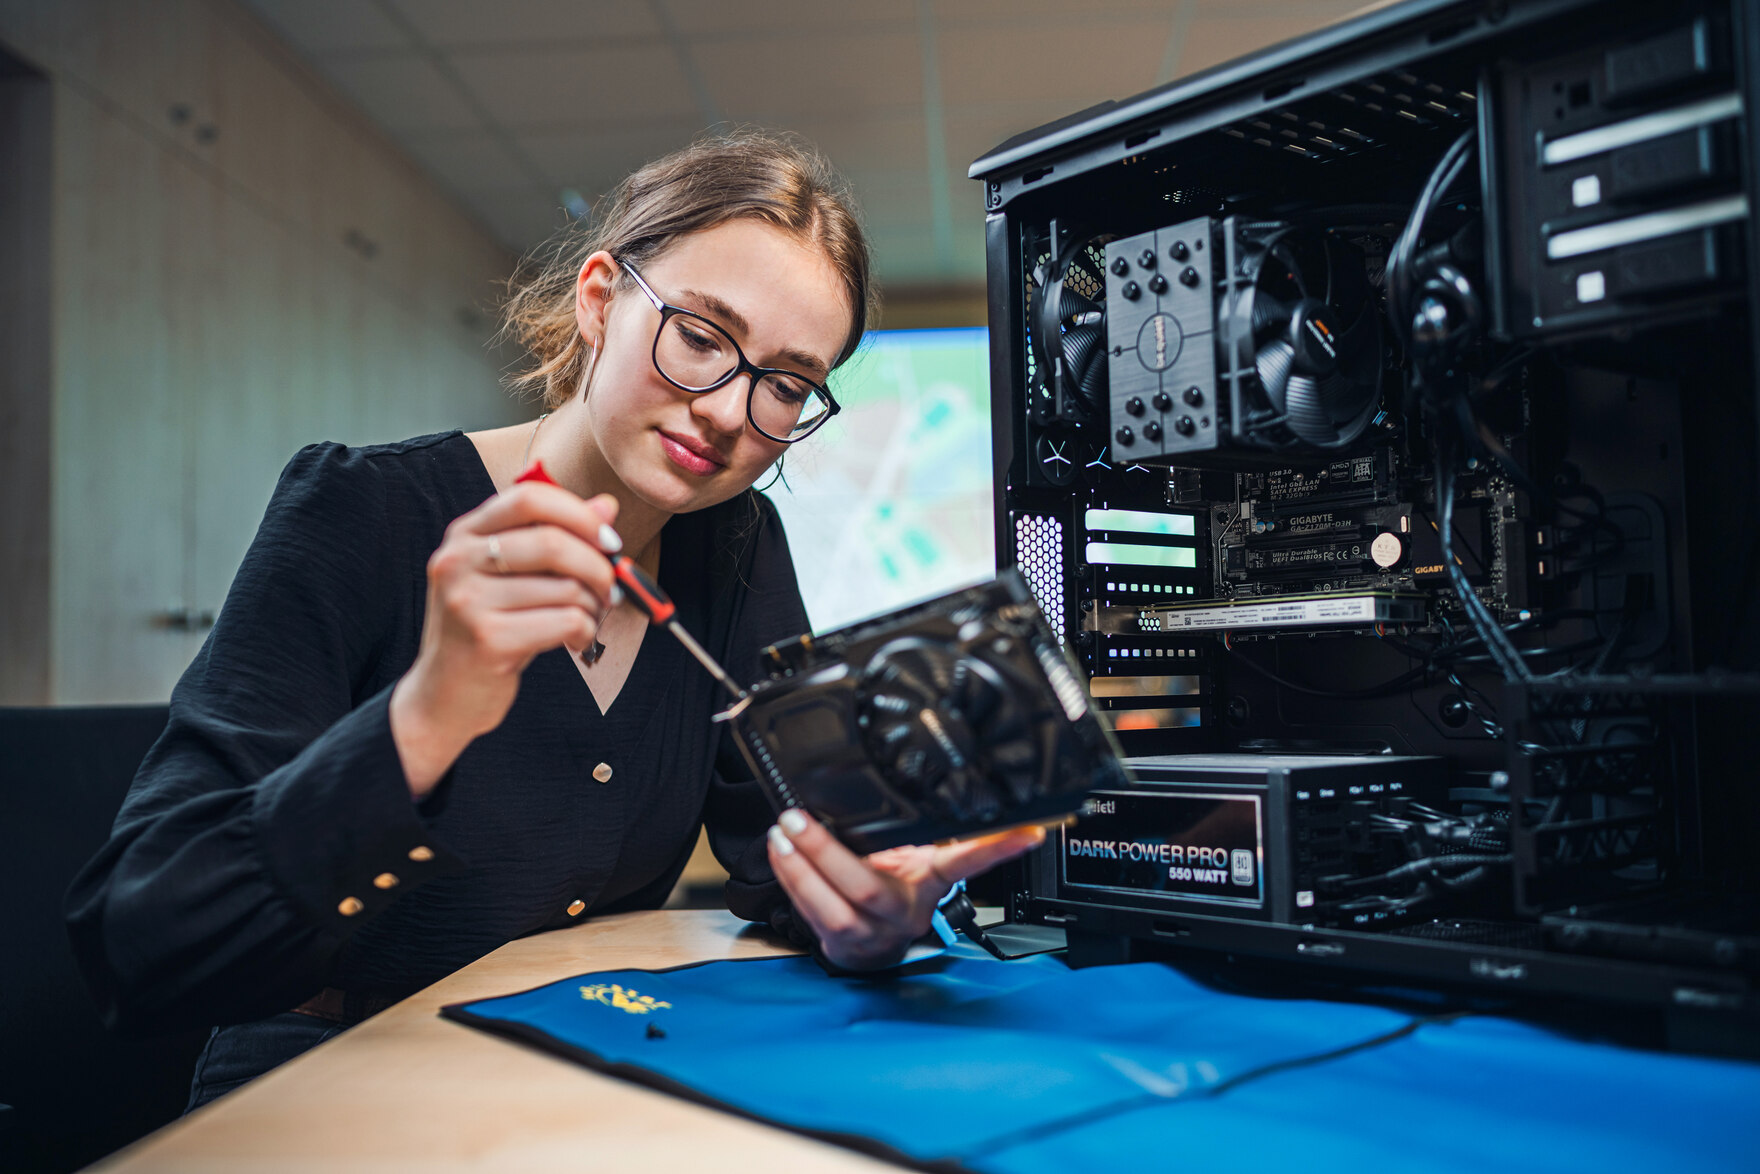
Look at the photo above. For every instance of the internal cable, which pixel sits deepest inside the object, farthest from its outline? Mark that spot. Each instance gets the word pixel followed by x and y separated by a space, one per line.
pixel 1497 642
pixel 1399 261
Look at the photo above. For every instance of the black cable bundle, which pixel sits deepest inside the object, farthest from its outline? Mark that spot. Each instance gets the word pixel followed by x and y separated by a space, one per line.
pixel 1434 329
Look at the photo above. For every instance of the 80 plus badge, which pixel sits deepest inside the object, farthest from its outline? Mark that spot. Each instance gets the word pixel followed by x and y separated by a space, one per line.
pixel 1240 866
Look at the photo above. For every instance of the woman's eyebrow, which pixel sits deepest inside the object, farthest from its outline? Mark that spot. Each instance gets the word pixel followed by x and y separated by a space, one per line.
pixel 715 308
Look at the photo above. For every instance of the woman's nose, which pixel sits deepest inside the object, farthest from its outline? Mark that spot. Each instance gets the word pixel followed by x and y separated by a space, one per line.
pixel 724 409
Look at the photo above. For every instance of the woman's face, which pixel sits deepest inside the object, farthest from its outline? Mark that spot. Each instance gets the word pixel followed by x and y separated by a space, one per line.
pixel 781 301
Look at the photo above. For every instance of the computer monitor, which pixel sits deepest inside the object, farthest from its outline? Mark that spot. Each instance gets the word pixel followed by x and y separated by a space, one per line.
pixel 890 502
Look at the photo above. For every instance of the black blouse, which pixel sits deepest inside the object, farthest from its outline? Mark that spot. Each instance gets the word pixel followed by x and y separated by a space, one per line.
pixel 269 846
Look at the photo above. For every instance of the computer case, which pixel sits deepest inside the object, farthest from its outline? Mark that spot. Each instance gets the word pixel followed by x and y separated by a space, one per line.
pixel 1389 395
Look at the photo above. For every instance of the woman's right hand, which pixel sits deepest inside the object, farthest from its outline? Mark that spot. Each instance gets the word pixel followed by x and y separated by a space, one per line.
pixel 525 572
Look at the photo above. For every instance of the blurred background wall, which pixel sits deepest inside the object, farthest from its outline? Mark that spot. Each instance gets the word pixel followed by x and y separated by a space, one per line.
pixel 232 227
pixel 238 263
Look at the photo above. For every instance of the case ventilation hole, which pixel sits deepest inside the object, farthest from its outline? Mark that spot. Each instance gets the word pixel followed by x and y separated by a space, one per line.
pixel 1038 546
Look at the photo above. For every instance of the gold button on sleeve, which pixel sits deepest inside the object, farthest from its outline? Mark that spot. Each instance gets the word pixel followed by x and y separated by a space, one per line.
pixel 385 880
pixel 575 907
pixel 421 854
pixel 602 772
pixel 349 906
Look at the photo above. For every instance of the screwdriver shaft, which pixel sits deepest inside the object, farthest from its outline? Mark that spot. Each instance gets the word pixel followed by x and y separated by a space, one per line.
pixel 704 659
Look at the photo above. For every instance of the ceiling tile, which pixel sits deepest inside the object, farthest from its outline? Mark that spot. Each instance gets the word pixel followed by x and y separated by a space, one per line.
pixel 807 75
pixel 593 161
pixel 1213 39
pixel 402 93
pixel 532 22
pixel 1076 63
pixel 889 141
pixel 1298 14
pixel 467 160
pixel 317 27
pixel 972 131
pixel 992 14
pixel 519 220
pixel 589 89
pixel 563 88
pixel 766 18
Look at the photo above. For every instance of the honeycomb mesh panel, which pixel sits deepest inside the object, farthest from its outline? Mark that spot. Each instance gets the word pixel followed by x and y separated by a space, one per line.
pixel 1038 554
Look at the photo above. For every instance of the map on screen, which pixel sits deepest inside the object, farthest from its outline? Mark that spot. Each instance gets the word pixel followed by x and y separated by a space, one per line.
pixel 890 502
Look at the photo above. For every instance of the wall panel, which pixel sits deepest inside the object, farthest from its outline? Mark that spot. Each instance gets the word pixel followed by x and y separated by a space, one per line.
pixel 241 265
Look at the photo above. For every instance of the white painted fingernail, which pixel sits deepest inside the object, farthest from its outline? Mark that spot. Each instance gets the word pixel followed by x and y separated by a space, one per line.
pixel 793 822
pixel 783 845
pixel 616 595
pixel 609 542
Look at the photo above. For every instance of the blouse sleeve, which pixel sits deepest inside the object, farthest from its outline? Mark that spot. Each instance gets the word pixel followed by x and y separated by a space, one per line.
pixel 738 812
pixel 272 818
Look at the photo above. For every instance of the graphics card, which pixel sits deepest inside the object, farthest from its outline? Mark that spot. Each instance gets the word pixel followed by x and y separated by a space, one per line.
pixel 958 716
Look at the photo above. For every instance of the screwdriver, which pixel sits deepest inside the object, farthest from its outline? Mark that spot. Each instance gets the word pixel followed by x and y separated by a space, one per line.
pixel 640 589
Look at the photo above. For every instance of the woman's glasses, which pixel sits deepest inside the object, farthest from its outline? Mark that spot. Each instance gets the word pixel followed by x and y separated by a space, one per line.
pixel 694 354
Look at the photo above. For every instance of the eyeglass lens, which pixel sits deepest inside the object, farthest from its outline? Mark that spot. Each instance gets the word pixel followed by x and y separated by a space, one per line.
pixel 697 354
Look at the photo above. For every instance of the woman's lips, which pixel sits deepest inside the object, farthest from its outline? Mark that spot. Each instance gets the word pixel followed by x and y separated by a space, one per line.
pixel 690 455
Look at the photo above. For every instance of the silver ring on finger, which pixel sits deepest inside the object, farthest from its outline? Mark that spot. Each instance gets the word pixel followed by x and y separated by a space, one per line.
pixel 501 567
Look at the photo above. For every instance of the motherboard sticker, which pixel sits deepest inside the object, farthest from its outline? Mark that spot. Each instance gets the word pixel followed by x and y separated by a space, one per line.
pixel 1190 845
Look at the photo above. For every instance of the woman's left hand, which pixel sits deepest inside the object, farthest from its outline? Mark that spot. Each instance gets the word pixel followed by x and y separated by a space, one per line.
pixel 867 910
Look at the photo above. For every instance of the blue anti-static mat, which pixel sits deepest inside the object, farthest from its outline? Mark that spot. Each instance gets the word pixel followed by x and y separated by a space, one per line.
pixel 964 1062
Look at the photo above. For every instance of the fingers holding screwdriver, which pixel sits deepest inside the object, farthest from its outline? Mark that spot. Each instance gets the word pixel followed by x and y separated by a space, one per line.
pixel 640 589
pixel 527 571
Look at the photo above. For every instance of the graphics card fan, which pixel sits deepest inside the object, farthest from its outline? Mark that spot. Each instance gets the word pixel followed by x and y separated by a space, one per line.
pixel 949 728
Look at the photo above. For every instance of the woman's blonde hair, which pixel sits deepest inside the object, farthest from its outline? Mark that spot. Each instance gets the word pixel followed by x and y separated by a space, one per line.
pixel 774 179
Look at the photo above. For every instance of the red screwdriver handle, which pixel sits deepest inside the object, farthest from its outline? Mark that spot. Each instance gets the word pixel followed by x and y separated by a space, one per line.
pixel 535 473
pixel 643 591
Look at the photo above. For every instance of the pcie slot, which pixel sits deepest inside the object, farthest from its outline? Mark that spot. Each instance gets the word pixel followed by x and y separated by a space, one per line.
pixel 1645 127
pixel 1649 226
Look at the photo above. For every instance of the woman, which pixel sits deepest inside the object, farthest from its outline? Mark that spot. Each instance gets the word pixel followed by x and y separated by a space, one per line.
pixel 426 723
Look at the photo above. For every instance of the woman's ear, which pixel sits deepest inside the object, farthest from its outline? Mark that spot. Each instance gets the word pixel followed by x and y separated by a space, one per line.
pixel 592 294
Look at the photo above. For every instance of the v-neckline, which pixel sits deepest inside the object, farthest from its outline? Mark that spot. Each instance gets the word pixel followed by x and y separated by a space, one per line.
pixel 603 712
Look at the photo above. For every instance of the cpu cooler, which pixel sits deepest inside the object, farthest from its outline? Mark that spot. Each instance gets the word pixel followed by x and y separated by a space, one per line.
pixel 1237 342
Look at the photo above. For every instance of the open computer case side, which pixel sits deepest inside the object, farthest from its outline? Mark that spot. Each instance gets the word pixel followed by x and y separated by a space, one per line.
pixel 1390 395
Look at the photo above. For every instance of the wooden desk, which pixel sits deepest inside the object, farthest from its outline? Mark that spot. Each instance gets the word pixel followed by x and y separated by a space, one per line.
pixel 409 1090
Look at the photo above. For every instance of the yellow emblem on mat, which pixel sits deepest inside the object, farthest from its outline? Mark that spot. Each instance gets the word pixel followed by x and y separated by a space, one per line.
pixel 613 995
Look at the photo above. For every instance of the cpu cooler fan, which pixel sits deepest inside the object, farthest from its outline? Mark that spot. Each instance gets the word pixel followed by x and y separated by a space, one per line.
pixel 1300 330
pixel 1069 332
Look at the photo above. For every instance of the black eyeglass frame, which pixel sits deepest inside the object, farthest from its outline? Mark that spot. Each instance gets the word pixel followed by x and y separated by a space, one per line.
pixel 668 311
